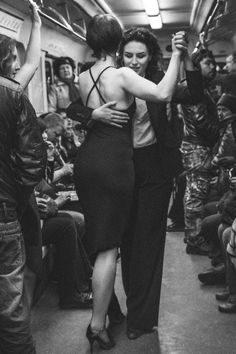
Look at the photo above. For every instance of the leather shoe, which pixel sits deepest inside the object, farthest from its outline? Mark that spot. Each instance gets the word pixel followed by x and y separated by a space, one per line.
pixel 134 333
pixel 198 246
pixel 228 307
pixel 213 276
pixel 175 227
pixel 223 295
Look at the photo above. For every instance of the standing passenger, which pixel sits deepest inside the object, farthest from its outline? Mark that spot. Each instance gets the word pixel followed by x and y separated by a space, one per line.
pixel 66 89
pixel 22 163
pixel 156 161
pixel 201 132
pixel 104 171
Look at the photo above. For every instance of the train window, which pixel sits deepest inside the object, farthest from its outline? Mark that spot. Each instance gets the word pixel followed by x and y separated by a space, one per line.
pixel 49 72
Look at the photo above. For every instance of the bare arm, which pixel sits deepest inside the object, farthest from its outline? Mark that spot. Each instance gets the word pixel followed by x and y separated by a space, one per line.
pixel 147 90
pixel 87 116
pixel 24 75
pixel 106 114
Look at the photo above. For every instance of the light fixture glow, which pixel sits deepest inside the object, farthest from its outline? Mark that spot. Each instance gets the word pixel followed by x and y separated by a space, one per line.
pixel 151 7
pixel 155 21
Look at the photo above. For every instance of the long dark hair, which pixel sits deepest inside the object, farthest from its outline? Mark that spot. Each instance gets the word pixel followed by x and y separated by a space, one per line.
pixel 143 35
pixel 7 46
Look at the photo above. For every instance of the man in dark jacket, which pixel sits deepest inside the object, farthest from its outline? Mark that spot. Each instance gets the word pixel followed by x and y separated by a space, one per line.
pixel 22 163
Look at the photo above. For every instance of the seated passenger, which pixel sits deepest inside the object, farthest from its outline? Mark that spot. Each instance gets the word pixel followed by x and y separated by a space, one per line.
pixel 62 169
pixel 226 158
pixel 229 294
pixel 61 230
pixel 69 140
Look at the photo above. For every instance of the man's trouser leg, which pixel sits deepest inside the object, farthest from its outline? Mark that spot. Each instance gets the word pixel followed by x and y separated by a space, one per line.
pixel 15 333
pixel 197 186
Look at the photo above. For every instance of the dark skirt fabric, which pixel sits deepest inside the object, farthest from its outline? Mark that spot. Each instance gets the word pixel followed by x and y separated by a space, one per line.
pixel 104 181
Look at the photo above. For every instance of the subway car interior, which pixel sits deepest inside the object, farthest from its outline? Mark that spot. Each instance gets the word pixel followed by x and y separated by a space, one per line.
pixel 191 319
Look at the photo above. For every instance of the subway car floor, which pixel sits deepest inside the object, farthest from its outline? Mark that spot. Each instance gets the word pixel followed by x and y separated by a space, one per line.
pixel 189 322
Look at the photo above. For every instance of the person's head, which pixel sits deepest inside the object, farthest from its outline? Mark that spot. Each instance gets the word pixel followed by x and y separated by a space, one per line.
pixel 8 56
pixel 140 51
pixel 104 34
pixel 55 125
pixel 226 105
pixel 64 67
pixel 204 60
pixel 230 62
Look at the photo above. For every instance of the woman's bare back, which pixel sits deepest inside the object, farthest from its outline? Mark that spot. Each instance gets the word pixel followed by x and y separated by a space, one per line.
pixel 109 86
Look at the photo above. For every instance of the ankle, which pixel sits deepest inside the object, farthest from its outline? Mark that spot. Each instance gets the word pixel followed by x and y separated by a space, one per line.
pixel 97 326
pixel 97 329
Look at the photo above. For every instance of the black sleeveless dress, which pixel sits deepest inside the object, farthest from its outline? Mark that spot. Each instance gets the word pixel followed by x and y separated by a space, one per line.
pixel 104 181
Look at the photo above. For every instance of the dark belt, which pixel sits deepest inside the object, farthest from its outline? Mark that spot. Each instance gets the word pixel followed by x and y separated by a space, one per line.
pixel 7 214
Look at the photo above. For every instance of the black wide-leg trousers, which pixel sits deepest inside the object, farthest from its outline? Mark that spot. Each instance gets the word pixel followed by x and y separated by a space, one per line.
pixel 142 251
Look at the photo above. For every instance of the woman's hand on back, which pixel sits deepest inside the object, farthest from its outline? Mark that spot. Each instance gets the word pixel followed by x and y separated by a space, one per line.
pixel 110 116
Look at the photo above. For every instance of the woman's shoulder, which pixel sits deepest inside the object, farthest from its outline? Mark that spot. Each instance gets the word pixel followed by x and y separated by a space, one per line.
pixel 125 71
pixel 127 75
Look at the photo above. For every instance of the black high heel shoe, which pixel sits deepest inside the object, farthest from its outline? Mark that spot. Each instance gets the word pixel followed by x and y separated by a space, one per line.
pixel 96 336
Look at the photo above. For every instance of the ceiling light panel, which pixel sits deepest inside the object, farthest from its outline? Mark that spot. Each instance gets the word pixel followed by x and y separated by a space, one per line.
pixel 151 7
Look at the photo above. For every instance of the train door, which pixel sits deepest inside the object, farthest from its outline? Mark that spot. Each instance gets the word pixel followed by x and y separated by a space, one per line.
pixel 37 88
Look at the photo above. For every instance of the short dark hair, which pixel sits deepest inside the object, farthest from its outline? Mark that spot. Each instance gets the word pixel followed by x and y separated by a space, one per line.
pixel 7 46
pixel 201 54
pixel 143 35
pixel 41 124
pixel 62 61
pixel 104 34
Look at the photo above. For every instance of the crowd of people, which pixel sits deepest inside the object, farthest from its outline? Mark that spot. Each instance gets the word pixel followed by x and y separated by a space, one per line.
pixel 102 184
pixel 209 156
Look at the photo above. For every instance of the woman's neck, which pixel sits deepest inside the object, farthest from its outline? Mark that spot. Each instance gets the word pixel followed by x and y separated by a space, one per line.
pixel 108 60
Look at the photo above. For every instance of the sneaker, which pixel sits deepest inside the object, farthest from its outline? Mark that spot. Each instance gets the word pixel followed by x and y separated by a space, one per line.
pixel 213 276
pixel 198 246
pixel 223 295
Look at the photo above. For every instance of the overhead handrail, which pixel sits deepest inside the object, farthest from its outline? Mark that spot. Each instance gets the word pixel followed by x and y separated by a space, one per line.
pixel 211 18
pixel 206 26
pixel 62 24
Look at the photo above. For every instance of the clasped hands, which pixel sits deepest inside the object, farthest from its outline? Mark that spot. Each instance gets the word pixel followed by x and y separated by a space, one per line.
pixel 179 42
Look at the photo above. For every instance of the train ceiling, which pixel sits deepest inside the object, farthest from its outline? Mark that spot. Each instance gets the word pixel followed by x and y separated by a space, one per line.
pixel 192 15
